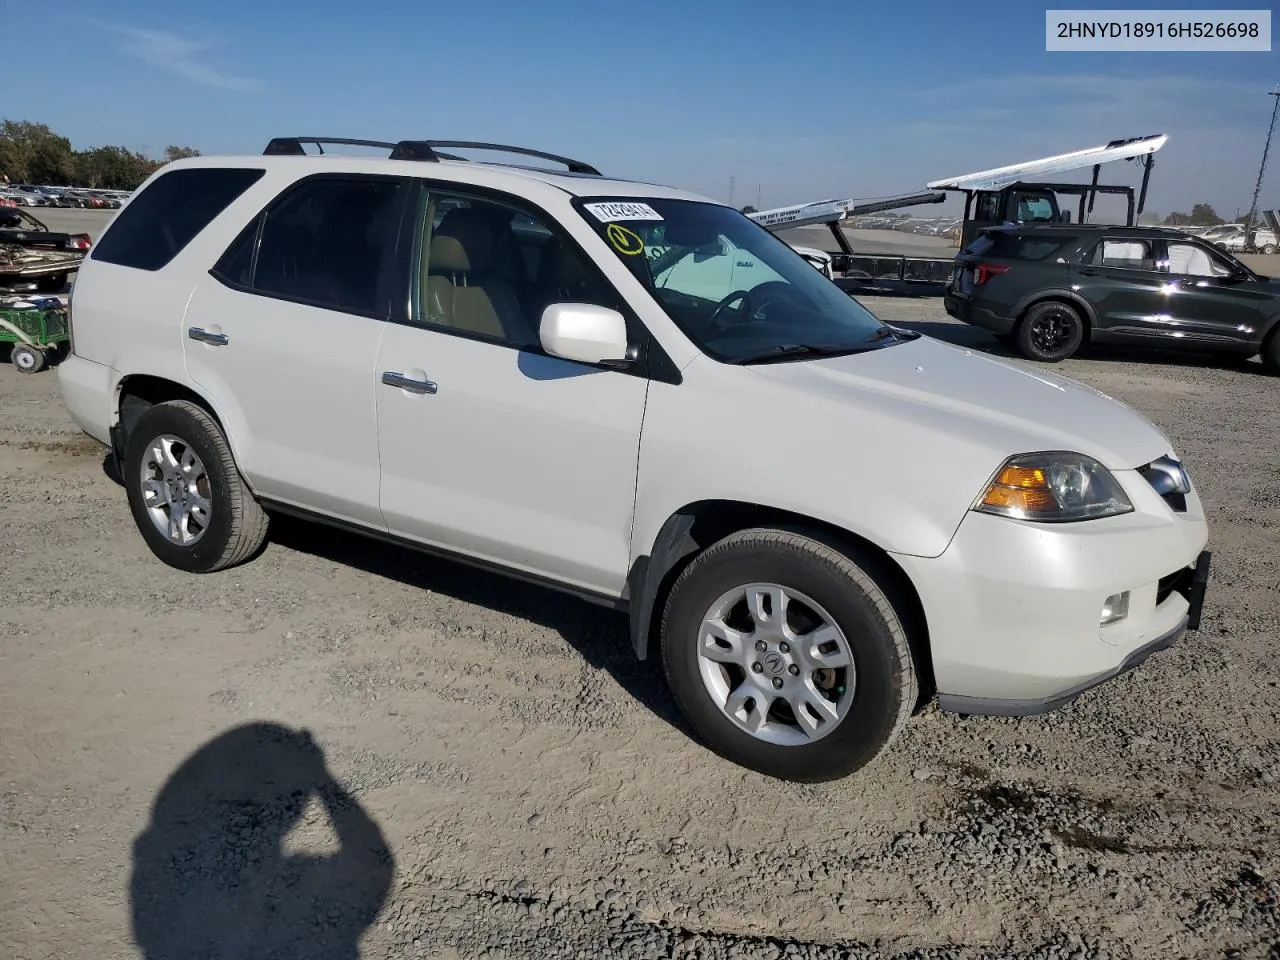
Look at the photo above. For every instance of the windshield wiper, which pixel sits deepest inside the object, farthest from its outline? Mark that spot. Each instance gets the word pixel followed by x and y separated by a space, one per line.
pixel 887 331
pixel 786 351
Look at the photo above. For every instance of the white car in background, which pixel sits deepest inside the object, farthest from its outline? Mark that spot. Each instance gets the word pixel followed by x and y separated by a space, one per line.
pixel 816 520
pixel 1264 241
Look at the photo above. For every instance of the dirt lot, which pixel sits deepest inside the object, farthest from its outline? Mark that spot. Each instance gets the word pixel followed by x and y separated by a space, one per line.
pixel 492 773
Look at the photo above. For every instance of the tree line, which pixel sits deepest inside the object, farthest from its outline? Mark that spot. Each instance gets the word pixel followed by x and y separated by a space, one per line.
pixel 33 153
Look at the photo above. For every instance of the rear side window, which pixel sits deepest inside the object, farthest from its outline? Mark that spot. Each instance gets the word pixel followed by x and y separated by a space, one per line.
pixel 1125 252
pixel 326 242
pixel 161 220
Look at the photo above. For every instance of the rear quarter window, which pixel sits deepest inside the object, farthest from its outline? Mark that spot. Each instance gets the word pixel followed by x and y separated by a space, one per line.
pixel 161 220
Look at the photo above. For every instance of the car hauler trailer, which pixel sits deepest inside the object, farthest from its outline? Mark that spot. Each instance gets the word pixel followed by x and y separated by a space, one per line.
pixel 880 274
pixel 992 197
pixel 1005 195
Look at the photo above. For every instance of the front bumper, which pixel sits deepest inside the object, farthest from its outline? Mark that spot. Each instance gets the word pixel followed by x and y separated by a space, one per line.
pixel 1014 607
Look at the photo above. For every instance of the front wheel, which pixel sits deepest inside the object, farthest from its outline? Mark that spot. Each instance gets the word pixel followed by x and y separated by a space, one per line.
pixel 1050 332
pixel 786 656
pixel 1271 353
pixel 188 499
pixel 1268 248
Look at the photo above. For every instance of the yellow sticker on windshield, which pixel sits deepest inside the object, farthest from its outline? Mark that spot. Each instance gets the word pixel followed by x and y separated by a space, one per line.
pixel 624 241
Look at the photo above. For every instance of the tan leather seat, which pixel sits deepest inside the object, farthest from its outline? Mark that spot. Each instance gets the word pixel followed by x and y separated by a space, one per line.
pixel 461 291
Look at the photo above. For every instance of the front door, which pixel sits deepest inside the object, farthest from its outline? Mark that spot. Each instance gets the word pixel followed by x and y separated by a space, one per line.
pixel 490 447
pixel 283 338
pixel 1210 303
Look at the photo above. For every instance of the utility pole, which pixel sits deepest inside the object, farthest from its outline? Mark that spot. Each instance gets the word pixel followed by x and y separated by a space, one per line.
pixel 732 180
pixel 1252 229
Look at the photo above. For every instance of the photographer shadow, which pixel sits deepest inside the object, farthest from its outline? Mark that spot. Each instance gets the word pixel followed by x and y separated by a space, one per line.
pixel 211 875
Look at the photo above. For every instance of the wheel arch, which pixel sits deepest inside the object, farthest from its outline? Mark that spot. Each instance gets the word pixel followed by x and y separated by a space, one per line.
pixel 696 526
pixel 138 392
pixel 1270 330
pixel 1068 297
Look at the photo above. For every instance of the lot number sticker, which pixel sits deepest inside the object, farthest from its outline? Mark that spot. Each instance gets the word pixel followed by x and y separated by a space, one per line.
pixel 605 212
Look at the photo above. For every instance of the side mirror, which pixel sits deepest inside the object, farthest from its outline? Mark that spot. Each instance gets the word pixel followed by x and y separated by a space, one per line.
pixel 584 332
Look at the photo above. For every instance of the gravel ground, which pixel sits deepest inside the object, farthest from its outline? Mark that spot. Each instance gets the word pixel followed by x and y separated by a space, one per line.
pixel 492 775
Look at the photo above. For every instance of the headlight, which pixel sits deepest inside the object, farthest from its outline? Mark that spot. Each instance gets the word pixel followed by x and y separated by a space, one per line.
pixel 1054 488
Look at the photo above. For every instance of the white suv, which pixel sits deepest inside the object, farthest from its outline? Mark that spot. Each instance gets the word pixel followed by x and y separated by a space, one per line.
pixel 642 397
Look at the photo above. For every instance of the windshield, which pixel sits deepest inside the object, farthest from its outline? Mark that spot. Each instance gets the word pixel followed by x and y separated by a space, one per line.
pixel 736 290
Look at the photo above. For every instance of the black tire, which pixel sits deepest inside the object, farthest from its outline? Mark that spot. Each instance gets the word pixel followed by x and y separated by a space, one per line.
pixel 886 687
pixel 1268 249
pixel 237 525
pixel 26 358
pixel 1271 353
pixel 53 284
pixel 1050 332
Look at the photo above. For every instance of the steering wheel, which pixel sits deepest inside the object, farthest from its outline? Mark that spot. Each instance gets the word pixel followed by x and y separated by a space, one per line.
pixel 723 305
pixel 753 301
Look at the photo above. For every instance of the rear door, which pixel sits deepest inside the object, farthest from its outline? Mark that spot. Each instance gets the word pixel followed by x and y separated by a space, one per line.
pixel 1123 280
pixel 283 337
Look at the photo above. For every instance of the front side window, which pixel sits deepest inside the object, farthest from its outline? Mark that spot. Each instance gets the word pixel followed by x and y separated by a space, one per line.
pixel 1193 260
pixel 736 290
pixel 488 269
pixel 327 242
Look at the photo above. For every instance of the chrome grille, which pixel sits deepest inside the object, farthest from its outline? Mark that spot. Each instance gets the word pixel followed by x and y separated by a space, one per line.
pixel 1168 477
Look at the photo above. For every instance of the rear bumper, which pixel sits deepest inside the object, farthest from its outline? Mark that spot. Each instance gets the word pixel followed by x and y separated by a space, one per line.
pixel 87 390
pixel 966 311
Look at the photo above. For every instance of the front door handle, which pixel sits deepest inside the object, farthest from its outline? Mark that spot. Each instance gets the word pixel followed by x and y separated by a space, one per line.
pixel 204 336
pixel 408 383
pixel 1087 272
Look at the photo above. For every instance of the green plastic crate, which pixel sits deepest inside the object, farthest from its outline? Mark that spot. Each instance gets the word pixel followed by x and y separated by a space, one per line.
pixel 46 327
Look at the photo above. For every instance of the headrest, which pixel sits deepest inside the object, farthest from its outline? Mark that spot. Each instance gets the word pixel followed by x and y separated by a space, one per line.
pixel 448 256
pixel 473 231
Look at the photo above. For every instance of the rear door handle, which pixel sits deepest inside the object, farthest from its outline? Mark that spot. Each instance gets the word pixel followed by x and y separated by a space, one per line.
pixel 204 336
pixel 1087 272
pixel 408 383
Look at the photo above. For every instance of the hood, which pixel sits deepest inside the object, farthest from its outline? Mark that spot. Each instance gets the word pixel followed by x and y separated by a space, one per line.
pixel 974 398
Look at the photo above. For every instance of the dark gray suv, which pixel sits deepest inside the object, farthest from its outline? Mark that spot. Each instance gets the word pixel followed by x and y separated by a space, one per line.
pixel 1049 288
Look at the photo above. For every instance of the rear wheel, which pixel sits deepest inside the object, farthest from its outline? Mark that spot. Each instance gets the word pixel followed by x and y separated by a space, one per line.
pixel 1050 332
pixel 1268 248
pixel 786 656
pixel 26 358
pixel 188 499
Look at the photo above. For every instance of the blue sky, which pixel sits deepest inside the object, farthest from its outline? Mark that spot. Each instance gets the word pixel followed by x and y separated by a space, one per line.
pixel 800 102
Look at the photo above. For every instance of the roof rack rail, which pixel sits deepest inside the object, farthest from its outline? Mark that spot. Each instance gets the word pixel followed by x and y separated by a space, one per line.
pixel 419 150
pixel 292 146
pixel 575 166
